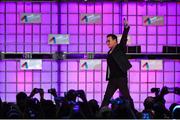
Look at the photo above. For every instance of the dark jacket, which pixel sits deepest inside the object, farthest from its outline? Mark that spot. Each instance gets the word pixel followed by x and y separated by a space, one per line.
pixel 119 54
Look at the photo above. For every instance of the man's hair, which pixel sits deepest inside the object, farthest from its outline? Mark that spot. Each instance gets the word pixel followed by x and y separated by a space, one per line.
pixel 114 37
pixel 21 96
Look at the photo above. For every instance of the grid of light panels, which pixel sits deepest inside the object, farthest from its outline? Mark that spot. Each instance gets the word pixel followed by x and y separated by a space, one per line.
pixel 63 18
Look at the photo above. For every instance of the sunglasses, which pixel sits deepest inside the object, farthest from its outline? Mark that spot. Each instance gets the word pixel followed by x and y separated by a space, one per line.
pixel 107 41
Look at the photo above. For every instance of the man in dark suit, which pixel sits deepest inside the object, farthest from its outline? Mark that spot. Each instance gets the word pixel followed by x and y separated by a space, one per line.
pixel 117 67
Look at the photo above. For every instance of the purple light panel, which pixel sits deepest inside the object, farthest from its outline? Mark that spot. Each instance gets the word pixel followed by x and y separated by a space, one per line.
pixel 17 37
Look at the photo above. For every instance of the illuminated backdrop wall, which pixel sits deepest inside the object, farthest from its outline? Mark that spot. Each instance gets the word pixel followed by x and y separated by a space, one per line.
pixel 63 18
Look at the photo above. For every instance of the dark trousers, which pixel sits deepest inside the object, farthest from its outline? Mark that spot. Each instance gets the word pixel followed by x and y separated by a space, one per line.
pixel 113 85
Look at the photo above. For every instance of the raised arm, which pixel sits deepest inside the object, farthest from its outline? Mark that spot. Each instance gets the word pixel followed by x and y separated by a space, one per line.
pixel 123 41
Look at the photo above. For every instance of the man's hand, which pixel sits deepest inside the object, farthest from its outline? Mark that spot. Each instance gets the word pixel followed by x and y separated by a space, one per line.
pixel 41 92
pixel 53 92
pixel 82 95
pixel 126 25
pixel 164 90
pixel 33 92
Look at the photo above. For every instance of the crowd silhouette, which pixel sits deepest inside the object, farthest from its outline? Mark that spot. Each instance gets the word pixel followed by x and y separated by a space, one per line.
pixel 74 104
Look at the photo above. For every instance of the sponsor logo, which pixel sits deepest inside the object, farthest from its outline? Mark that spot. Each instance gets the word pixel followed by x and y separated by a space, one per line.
pixel 90 18
pixel 153 20
pixel 58 39
pixel 146 65
pixel 25 65
pixel 31 18
pixel 84 65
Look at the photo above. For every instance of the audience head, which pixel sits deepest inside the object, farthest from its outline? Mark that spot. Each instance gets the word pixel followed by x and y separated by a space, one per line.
pixel 149 102
pixel 21 98
pixel 176 112
pixel 93 104
pixel 71 95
